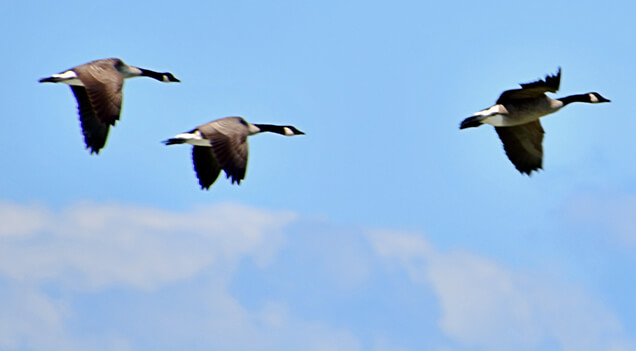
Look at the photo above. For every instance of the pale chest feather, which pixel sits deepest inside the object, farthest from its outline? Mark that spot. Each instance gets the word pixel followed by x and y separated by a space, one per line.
pixel 522 112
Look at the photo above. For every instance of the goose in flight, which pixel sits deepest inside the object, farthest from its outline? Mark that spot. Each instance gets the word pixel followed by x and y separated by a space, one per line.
pixel 97 88
pixel 222 144
pixel 516 114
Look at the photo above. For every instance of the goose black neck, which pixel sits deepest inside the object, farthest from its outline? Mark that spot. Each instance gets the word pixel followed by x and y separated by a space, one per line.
pixel 152 74
pixel 575 98
pixel 271 128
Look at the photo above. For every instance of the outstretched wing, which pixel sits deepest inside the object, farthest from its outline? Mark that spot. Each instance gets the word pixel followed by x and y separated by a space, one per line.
pixel 95 132
pixel 103 83
pixel 523 145
pixel 229 142
pixel 533 90
pixel 206 166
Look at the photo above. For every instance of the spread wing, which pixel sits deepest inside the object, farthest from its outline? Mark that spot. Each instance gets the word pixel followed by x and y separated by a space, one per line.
pixel 523 145
pixel 103 84
pixel 533 90
pixel 229 142
pixel 206 166
pixel 95 132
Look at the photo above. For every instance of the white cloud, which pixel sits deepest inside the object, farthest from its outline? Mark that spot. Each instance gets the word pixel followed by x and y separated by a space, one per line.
pixel 488 306
pixel 277 324
pixel 28 317
pixel 21 220
pixel 184 263
pixel 91 246
pixel 32 320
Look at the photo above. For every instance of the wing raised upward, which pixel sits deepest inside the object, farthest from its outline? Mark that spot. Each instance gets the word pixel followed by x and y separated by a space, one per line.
pixel 532 90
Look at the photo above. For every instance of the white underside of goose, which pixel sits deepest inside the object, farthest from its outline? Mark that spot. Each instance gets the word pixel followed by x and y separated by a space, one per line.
pixel 195 138
pixel 502 116
pixel 68 77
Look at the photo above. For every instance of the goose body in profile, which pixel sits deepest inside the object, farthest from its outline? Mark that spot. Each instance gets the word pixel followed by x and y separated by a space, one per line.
pixel 97 86
pixel 222 144
pixel 516 114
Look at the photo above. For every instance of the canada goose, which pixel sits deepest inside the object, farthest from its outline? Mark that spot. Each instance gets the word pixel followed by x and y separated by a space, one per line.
pixel 222 144
pixel 516 114
pixel 97 88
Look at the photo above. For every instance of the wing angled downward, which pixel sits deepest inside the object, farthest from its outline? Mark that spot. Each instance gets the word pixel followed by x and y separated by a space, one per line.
pixel 523 145
pixel 229 142
pixel 103 83
pixel 206 166
pixel 95 132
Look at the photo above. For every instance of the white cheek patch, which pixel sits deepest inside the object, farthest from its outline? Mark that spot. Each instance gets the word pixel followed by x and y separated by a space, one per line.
pixel 593 98
pixel 288 131
pixel 166 79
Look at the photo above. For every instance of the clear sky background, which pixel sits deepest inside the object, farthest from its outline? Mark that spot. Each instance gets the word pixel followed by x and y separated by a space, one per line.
pixel 385 227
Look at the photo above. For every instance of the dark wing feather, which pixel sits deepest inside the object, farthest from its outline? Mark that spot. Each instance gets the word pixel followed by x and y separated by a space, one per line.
pixel 520 94
pixel 103 84
pixel 523 145
pixel 532 90
pixel 95 132
pixel 229 142
pixel 551 83
pixel 206 166
pixel 232 155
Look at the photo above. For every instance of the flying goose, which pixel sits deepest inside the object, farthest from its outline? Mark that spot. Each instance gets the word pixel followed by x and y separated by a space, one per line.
pixel 97 88
pixel 222 144
pixel 516 114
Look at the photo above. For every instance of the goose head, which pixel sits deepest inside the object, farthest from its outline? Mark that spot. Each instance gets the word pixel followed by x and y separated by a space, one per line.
pixel 291 130
pixel 168 78
pixel 596 98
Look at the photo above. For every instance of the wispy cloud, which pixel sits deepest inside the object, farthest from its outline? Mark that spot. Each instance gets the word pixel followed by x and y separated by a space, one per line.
pixel 488 306
pixel 31 319
pixel 91 246
pixel 88 249
pixel 21 220
pixel 121 277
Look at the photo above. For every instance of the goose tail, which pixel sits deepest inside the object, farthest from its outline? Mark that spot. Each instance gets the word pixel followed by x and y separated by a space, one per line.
pixel 471 122
pixel 50 80
pixel 173 141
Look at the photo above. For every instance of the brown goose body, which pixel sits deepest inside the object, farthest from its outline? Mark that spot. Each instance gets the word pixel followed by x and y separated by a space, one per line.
pixel 97 86
pixel 222 145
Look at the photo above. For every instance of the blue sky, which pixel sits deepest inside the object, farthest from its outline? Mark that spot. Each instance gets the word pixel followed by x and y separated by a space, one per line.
pixel 385 227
